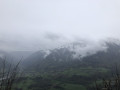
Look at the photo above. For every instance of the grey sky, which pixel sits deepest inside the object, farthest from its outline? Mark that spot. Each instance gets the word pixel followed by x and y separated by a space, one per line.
pixel 40 24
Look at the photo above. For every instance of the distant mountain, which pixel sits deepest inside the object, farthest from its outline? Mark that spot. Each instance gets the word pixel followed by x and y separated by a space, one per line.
pixel 75 55
pixel 18 55
pixel 15 56
pixel 5 58
pixel 3 54
pixel 76 50
pixel 105 59
pixel 63 53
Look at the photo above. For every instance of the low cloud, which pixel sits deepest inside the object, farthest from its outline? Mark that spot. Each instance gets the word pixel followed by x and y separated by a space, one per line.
pixel 38 24
pixel 52 36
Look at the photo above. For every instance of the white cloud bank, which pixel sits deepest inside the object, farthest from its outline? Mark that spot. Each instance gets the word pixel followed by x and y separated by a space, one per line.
pixel 40 24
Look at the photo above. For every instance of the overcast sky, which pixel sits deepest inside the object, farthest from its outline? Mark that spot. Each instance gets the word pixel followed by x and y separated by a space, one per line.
pixel 41 24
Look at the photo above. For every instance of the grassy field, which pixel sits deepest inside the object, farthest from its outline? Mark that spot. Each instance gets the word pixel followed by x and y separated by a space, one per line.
pixel 69 79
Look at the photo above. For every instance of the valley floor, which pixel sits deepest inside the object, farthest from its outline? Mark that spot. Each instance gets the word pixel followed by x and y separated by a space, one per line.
pixel 69 79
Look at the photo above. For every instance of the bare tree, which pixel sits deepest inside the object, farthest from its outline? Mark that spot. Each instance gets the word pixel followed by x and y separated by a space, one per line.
pixel 9 73
pixel 110 84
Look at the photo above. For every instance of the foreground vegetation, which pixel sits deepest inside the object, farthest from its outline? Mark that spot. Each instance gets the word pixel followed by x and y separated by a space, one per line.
pixel 79 78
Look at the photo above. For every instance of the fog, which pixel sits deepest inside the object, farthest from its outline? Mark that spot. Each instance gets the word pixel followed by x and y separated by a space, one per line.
pixel 44 24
